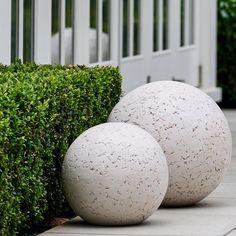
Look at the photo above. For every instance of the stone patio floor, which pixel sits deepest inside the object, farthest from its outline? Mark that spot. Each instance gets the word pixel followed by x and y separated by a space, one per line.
pixel 216 215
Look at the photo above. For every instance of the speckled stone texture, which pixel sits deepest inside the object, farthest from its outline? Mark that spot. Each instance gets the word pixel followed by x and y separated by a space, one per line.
pixel 190 128
pixel 115 174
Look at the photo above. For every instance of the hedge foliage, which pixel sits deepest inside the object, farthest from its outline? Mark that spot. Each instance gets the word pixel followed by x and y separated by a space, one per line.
pixel 43 108
pixel 227 51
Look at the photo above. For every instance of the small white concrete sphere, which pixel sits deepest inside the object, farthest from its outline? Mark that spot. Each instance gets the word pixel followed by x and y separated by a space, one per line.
pixel 115 174
pixel 191 130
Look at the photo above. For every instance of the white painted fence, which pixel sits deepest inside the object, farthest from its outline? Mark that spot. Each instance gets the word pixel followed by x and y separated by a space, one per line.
pixel 148 39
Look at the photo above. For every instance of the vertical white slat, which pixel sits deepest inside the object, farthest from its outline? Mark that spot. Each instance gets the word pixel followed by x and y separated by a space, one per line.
pixel 99 29
pixel 208 42
pixel 197 23
pixel 121 31
pixel 80 39
pixel 42 31
pixel 5 31
pixel 19 28
pixel 146 34
pixel 186 22
pixel 62 9
pixel 115 33
pixel 131 27
pixel 175 26
pixel 174 36
pixel 160 25
pixel 32 30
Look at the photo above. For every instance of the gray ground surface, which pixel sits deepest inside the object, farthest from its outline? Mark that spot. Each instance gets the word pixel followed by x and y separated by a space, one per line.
pixel 216 215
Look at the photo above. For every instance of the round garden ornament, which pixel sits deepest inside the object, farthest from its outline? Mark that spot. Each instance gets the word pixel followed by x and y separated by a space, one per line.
pixel 191 130
pixel 115 174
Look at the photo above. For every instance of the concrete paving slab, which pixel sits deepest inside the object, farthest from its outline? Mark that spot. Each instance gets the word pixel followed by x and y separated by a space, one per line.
pixel 232 164
pixel 161 223
pixel 225 190
pixel 234 152
pixel 230 178
pixel 210 206
pixel 232 233
pixel 52 234
pixel 229 114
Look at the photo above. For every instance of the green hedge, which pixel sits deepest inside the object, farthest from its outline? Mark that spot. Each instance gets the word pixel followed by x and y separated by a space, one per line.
pixel 227 51
pixel 43 108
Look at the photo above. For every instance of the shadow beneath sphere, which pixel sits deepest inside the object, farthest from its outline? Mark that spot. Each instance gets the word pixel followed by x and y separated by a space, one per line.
pixel 78 222
pixel 204 204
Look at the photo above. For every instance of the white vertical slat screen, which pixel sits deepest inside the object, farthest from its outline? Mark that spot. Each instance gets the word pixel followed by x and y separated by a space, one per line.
pixel 80 31
pixel 62 18
pixel 5 31
pixel 42 31
pixel 115 32
pixel 175 29
pixel 121 30
pixel 146 16
pixel 19 28
pixel 131 27
pixel 99 29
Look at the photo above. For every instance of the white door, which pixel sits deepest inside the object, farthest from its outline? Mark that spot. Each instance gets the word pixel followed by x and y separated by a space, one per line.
pixel 175 41
pixel 186 45
pixel 168 42
pixel 134 51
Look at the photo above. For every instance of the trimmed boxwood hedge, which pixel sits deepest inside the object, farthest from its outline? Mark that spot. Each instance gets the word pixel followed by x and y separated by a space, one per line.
pixel 43 108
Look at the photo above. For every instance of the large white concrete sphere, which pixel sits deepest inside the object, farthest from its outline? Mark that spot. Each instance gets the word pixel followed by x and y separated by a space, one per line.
pixel 191 130
pixel 115 174
pixel 68 46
